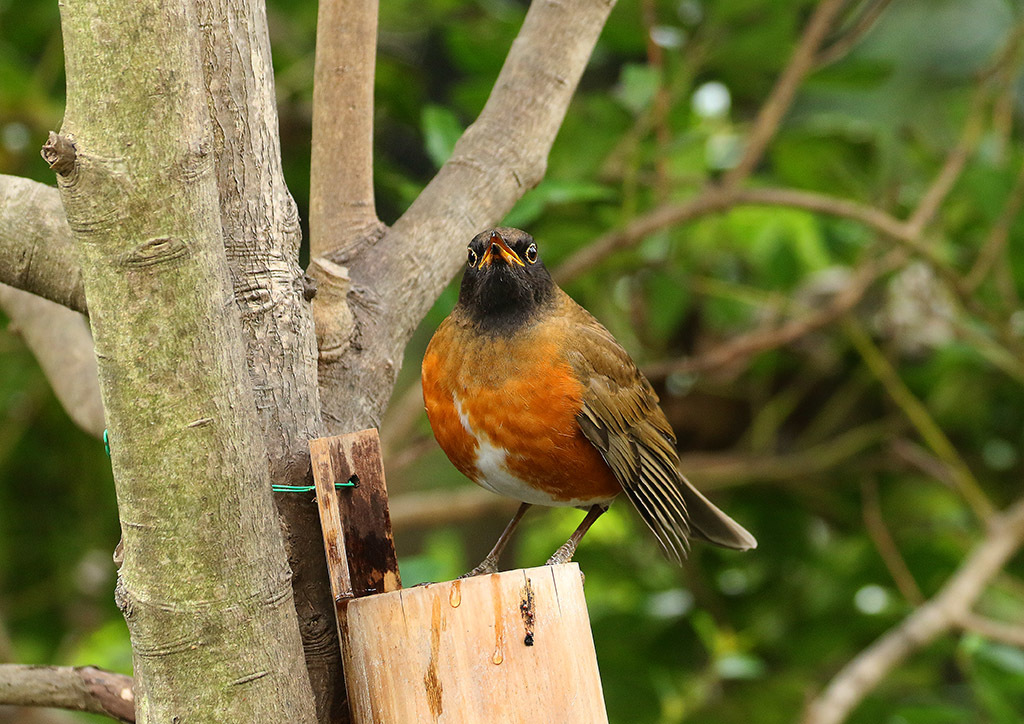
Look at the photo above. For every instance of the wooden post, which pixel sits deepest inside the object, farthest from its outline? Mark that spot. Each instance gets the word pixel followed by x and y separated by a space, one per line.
pixel 356 523
pixel 509 647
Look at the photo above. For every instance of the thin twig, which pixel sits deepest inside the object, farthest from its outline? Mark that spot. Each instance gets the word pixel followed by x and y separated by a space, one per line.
pixel 998 236
pixel 431 509
pixel 920 418
pixel 717 199
pixel 916 456
pixel 79 688
pixel 774 108
pixel 874 522
pixel 1001 631
pixel 715 471
pixel 953 166
pixel 661 101
pixel 850 38
pixel 930 620
pixel 744 347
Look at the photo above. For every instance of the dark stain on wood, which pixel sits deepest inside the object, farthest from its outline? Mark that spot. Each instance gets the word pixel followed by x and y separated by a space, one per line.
pixel 528 612
pixel 356 521
pixel 431 680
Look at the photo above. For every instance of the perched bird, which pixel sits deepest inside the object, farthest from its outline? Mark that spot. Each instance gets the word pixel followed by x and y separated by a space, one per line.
pixel 531 398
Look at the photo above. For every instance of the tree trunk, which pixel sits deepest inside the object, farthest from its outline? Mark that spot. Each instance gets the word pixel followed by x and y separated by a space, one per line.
pixel 204 585
pixel 261 230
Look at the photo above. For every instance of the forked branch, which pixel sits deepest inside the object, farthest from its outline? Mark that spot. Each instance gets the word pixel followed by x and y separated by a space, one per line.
pixel 79 688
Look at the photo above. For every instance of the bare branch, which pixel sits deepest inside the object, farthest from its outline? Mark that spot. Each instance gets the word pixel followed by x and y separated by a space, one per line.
pixel 712 471
pixel 953 166
pixel 403 414
pixel 774 108
pixel 37 251
pixel 743 347
pixel 1006 633
pixel 79 688
pixel 62 344
pixel 851 37
pixel 716 199
pixel 498 158
pixel 342 212
pixel 431 509
pixel 998 236
pixel 874 522
pixel 936 617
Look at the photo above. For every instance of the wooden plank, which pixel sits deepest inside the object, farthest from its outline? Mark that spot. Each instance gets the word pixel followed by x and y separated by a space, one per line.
pixel 356 524
pixel 513 647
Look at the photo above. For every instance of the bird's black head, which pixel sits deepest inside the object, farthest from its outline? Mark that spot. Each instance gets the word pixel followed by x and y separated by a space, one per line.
pixel 505 283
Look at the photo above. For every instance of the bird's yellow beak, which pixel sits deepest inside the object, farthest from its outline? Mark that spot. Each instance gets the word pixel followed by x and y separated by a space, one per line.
pixel 499 250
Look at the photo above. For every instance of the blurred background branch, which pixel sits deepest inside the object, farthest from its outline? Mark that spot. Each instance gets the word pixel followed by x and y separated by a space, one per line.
pixel 947 609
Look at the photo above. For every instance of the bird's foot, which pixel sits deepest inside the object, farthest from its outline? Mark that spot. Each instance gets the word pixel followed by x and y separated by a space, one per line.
pixel 487 565
pixel 563 554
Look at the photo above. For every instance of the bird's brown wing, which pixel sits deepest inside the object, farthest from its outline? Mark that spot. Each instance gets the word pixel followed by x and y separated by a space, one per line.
pixel 622 419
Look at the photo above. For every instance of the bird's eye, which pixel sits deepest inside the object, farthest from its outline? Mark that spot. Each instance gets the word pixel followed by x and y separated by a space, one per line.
pixel 531 254
pixel 472 257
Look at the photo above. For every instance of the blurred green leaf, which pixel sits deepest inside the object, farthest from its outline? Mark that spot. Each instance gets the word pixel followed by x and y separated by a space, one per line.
pixel 637 86
pixel 441 129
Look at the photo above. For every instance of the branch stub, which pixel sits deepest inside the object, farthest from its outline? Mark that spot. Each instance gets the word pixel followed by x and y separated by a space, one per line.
pixel 59 153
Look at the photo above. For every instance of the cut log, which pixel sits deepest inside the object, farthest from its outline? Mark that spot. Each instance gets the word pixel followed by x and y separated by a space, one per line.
pixel 508 647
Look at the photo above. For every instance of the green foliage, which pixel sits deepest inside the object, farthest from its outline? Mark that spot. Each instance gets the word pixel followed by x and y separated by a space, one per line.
pixel 732 638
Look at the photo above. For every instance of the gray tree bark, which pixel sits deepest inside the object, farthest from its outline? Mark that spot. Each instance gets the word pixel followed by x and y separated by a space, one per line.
pixel 260 224
pixel 62 344
pixel 204 584
pixel 37 251
pixel 79 688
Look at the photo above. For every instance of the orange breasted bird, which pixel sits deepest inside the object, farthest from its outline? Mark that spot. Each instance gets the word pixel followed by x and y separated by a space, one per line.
pixel 531 398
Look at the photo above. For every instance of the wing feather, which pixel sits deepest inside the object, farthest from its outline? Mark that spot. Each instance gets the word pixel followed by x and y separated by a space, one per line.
pixel 622 419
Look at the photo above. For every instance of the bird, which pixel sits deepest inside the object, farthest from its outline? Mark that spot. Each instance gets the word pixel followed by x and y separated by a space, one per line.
pixel 532 398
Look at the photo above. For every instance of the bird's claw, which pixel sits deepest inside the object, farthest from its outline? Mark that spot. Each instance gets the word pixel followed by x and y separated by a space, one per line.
pixel 562 555
pixel 487 565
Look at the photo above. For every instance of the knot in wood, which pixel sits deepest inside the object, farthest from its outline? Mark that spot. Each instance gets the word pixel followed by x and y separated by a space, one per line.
pixel 59 153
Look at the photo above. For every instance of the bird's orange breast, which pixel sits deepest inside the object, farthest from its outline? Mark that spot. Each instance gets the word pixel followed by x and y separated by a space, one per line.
pixel 504 411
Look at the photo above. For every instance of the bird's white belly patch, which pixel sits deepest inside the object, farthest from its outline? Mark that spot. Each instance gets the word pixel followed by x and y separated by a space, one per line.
pixel 496 477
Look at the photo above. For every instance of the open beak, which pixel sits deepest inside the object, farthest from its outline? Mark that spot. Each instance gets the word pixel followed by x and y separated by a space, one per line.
pixel 499 250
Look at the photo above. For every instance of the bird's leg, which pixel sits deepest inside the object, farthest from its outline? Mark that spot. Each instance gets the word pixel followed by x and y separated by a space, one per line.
pixel 490 563
pixel 565 553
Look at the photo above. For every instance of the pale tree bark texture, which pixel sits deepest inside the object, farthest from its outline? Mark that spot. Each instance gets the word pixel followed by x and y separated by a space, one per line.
pixel 62 344
pixel 204 584
pixel 37 252
pixel 260 224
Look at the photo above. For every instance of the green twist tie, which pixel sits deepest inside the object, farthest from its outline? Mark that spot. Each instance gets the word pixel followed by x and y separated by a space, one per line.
pixel 352 482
